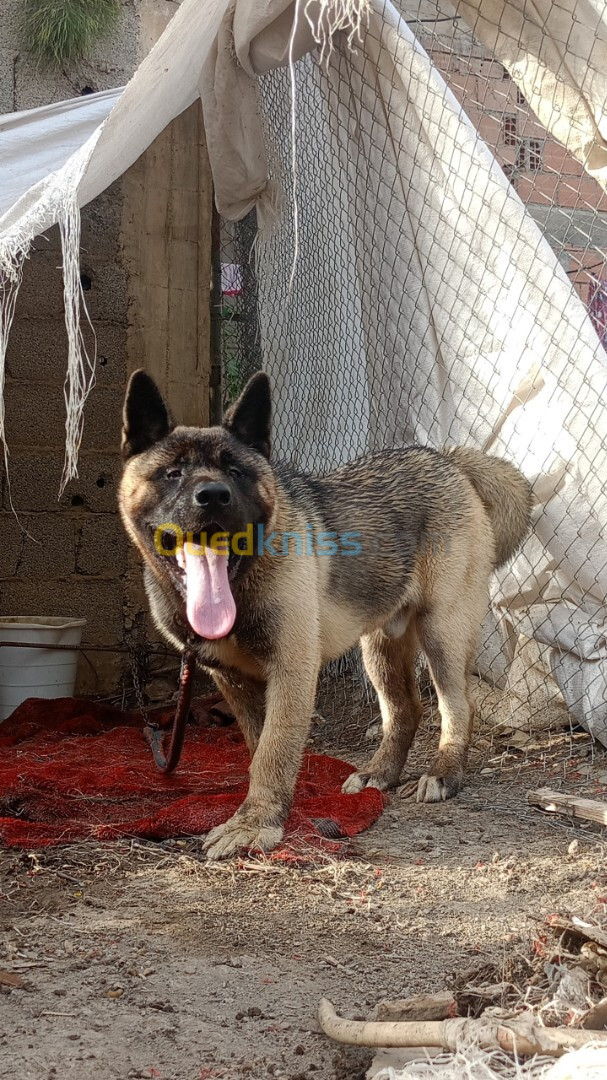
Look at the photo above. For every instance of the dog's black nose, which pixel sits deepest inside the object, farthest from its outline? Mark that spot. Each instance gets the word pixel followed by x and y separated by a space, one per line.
pixel 213 495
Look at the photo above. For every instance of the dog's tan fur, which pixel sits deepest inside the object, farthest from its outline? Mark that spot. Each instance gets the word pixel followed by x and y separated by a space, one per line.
pixel 434 527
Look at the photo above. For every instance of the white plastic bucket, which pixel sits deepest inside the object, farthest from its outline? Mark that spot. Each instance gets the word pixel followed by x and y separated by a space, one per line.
pixel 42 673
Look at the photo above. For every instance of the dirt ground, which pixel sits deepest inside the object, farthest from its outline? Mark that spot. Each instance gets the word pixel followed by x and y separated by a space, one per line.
pixel 140 960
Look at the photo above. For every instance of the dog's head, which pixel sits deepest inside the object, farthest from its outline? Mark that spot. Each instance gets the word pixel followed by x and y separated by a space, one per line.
pixel 192 498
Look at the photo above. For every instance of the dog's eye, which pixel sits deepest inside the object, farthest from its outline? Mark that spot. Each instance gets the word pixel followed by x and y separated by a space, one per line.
pixel 236 473
pixel 173 474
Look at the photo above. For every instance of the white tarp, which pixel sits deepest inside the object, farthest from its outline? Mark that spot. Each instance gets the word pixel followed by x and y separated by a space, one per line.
pixel 487 343
pixel 165 84
pixel 38 142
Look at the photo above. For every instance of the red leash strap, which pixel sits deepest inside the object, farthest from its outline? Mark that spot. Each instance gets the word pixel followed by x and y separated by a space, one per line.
pixel 154 736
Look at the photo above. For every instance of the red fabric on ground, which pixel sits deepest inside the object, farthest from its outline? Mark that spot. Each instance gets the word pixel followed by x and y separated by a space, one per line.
pixel 73 769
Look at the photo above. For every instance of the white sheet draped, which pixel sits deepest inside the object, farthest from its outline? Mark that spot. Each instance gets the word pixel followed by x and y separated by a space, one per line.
pixel 164 85
pixel 39 142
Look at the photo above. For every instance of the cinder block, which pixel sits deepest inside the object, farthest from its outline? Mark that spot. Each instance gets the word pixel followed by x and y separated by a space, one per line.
pixel 100 226
pixel 101 545
pixel 37 350
pixel 101 222
pixel 107 298
pixel 100 673
pixel 34 416
pixel 99 602
pixel 49 241
pixel 97 485
pixel 34 480
pixel 48 551
pixel 103 419
pixel 111 354
pixel 35 477
pixel 41 292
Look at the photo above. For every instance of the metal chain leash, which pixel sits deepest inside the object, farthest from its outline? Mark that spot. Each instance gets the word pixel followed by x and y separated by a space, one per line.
pixel 140 669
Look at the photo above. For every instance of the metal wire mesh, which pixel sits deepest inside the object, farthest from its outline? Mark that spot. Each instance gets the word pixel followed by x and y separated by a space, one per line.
pixel 240 340
pixel 349 364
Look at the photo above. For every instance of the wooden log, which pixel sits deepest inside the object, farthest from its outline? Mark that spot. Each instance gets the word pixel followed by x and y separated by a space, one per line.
pixel 556 802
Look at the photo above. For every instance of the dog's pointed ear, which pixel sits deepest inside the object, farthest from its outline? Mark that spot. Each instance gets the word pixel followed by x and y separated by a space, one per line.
pixel 145 417
pixel 249 419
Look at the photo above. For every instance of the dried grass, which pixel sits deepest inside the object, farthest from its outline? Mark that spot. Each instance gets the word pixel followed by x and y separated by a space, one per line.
pixel 57 32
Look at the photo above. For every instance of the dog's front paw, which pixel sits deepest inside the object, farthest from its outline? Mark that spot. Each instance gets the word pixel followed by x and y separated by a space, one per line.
pixel 438 788
pixel 359 780
pixel 246 829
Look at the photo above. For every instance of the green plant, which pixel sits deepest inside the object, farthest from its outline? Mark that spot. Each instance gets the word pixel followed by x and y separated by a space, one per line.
pixel 59 31
pixel 233 380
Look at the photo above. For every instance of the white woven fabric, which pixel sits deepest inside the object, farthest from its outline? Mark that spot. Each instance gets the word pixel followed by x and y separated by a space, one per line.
pixel 472 1063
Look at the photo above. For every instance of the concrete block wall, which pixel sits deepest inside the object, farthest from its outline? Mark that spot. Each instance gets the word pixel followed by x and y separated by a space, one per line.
pixel 69 556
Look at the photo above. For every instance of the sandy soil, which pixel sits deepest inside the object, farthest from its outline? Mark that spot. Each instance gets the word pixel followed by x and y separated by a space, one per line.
pixel 139 960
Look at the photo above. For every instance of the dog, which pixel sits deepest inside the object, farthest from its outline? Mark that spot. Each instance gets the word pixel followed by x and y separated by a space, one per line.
pixel 269 573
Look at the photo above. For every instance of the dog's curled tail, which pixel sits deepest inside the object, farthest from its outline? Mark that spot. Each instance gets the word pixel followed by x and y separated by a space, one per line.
pixel 505 494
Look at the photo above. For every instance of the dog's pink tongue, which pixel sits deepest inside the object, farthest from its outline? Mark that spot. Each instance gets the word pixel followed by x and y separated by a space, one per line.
pixel 210 605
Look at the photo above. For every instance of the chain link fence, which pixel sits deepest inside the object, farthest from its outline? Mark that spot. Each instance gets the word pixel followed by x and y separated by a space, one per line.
pixel 241 354
pixel 402 295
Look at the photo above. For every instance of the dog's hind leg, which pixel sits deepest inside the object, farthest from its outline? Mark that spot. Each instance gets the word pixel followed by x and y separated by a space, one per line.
pixel 448 639
pixel 247 700
pixel 390 664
